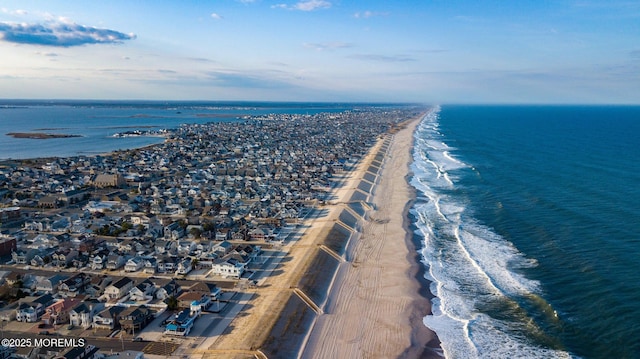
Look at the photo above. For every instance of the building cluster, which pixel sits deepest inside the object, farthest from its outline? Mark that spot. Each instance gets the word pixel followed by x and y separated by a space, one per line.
pixel 86 301
pixel 205 200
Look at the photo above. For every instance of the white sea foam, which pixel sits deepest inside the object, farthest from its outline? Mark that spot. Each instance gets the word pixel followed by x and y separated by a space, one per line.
pixel 467 261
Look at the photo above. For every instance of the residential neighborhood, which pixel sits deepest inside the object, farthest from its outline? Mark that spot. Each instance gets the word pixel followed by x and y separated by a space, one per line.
pixel 109 243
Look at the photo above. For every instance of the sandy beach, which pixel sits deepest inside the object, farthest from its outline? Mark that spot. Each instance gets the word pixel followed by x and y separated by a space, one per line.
pixel 352 285
pixel 376 307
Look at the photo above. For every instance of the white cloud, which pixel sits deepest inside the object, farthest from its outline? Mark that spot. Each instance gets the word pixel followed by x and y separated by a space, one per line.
pixel 382 58
pixel 367 14
pixel 61 33
pixel 14 12
pixel 216 16
pixel 312 5
pixel 328 45
pixel 309 5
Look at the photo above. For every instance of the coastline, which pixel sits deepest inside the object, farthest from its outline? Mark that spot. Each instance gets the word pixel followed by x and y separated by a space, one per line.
pixel 280 314
pixel 378 301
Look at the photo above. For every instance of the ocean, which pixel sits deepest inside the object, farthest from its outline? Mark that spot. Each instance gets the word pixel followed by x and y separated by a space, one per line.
pixel 530 218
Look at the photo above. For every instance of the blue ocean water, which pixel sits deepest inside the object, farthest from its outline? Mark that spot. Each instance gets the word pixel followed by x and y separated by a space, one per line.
pixel 531 221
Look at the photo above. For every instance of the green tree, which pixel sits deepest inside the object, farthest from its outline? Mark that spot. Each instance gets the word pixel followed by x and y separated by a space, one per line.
pixel 172 303
pixel 195 232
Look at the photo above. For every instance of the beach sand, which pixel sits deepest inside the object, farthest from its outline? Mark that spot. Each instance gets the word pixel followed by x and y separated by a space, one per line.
pixel 379 297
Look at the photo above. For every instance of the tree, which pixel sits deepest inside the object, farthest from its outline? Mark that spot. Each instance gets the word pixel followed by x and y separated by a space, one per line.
pixel 208 226
pixel 195 232
pixel 172 303
pixel 127 226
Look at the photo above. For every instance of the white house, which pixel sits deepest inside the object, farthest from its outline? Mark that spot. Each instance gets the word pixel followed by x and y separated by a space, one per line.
pixel 227 268
pixel 118 289
pixel 184 266
pixel 28 312
pixel 143 291
pixel 107 318
pixel 134 264
pixel 83 313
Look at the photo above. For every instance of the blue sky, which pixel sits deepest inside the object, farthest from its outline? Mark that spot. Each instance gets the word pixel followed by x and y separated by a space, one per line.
pixel 432 51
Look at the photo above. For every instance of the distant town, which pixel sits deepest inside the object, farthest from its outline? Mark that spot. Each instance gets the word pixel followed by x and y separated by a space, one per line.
pixel 129 250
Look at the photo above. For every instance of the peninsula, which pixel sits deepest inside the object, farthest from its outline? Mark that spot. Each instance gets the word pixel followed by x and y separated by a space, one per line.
pixel 40 135
pixel 275 236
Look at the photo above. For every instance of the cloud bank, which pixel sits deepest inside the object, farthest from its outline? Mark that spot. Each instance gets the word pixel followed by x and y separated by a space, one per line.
pixel 60 34
pixel 328 45
pixel 382 58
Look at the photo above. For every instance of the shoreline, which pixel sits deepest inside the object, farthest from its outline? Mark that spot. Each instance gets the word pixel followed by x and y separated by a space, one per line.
pixel 309 273
pixel 378 302
pixel 432 348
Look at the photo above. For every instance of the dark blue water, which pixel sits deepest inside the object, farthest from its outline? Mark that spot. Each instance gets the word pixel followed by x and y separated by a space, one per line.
pixel 531 216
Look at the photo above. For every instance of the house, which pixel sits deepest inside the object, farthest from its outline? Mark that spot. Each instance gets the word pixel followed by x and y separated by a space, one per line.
pixel 134 264
pixel 98 262
pixel 258 234
pixel 37 261
pixel 50 285
pixel 169 264
pixel 115 261
pixel 109 180
pixel 184 266
pixel 223 234
pixel 143 291
pixel 204 246
pixel 82 260
pixel 82 314
pixel 58 312
pixel 63 258
pixel 181 324
pixel 97 286
pixel 48 202
pixel 186 299
pixel 171 289
pixel 21 256
pixel 8 313
pixel 150 265
pixel 30 311
pixel 108 318
pixel 186 247
pixel 164 246
pixel 119 289
pixel 251 251
pixel 134 319
pixel 227 267
pixel 208 289
pixel 75 285
pixel 174 231
pixel 223 248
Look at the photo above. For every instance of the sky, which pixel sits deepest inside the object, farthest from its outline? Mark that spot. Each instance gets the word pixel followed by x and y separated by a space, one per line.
pixel 428 51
